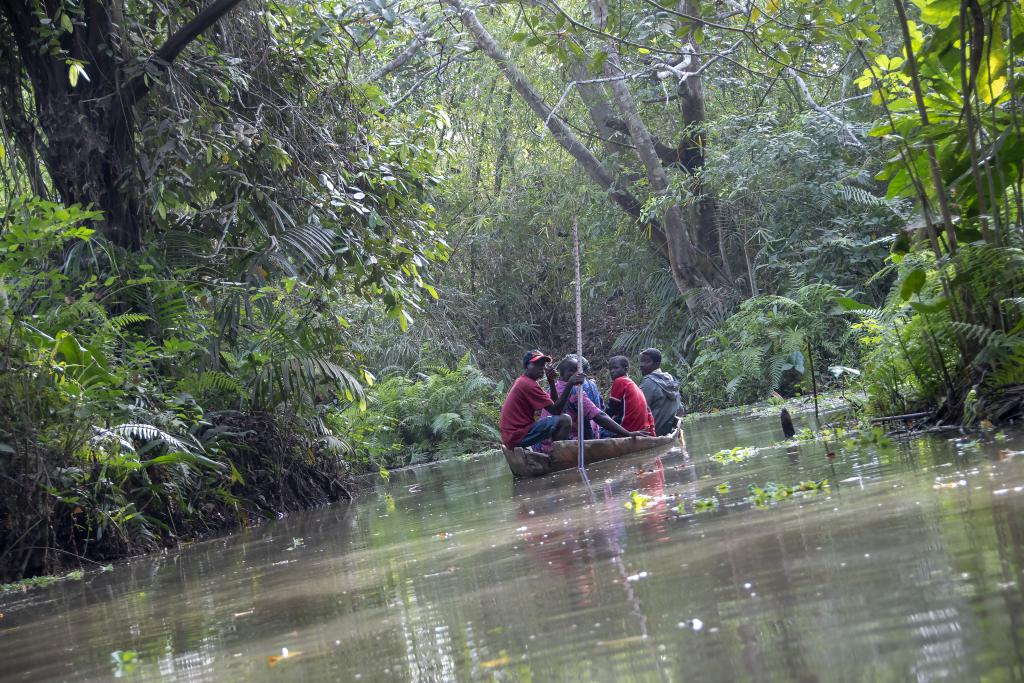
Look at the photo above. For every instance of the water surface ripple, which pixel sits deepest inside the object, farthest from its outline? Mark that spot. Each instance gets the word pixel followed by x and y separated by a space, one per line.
pixel 907 568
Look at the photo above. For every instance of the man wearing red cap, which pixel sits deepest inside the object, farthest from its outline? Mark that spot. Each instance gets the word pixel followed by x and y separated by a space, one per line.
pixel 519 424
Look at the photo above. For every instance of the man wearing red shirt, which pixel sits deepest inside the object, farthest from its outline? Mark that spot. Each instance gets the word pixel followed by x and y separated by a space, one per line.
pixel 519 424
pixel 626 399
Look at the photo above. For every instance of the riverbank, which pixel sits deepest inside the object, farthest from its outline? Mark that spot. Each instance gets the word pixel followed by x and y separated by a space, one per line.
pixel 83 508
pixel 828 402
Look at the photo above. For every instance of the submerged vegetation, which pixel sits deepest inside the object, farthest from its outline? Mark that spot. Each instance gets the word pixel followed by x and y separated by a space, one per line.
pixel 284 244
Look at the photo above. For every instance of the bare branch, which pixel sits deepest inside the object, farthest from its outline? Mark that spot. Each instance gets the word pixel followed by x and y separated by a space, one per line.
pixel 573 84
pixel 843 125
pixel 404 56
pixel 683 75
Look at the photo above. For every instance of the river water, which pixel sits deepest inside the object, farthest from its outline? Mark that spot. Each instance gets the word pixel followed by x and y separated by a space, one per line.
pixel 909 567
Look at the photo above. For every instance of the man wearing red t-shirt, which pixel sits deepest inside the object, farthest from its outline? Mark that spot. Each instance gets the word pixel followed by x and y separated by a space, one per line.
pixel 519 424
pixel 626 399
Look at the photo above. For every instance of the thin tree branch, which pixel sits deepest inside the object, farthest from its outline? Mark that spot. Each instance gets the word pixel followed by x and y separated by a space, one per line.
pixel 843 125
pixel 562 133
pixel 404 56
pixel 140 85
pixel 698 20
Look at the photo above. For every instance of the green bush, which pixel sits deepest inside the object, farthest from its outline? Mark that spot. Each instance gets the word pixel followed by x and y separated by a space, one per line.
pixel 764 347
pixel 442 413
pixel 950 336
pixel 141 403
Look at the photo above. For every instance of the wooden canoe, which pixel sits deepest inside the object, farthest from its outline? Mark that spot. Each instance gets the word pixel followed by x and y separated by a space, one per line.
pixel 565 454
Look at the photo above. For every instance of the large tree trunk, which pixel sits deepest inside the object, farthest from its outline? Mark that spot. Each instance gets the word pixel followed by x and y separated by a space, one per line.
pixel 87 150
pixel 689 267
pixel 89 124
pixel 691 107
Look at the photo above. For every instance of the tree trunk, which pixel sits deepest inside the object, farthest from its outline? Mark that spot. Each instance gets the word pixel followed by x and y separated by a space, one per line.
pixel 683 256
pixel 691 108
pixel 600 111
pixel 88 121
pixel 504 153
pixel 87 152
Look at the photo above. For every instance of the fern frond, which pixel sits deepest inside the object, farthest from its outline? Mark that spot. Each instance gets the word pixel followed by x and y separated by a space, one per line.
pixel 859 196
pixel 211 382
pixel 442 424
pixel 124 320
pixel 151 434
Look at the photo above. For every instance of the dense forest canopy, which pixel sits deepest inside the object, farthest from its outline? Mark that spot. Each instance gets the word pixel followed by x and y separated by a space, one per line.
pixel 249 245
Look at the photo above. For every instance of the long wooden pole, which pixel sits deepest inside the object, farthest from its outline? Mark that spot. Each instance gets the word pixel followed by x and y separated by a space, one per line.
pixel 579 337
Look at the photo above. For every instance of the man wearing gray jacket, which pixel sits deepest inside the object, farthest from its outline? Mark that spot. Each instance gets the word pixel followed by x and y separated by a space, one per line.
pixel 661 390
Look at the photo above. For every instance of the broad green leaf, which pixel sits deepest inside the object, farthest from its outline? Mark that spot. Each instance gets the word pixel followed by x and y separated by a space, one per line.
pixel 932 307
pixel 912 284
pixel 938 13
pixel 992 75
pixel 848 304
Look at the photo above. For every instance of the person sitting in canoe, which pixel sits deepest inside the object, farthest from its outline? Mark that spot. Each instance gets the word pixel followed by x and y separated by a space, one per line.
pixel 626 403
pixel 661 391
pixel 567 370
pixel 591 391
pixel 590 386
pixel 519 424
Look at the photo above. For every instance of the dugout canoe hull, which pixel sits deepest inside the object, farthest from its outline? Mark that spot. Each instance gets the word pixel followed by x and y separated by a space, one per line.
pixel 565 454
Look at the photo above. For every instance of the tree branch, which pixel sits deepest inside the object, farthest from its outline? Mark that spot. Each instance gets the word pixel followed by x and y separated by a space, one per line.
pixel 140 85
pixel 405 55
pixel 682 256
pixel 843 126
pixel 593 167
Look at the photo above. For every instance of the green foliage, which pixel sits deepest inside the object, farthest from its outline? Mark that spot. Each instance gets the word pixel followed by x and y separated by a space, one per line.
pixel 122 371
pixel 40 581
pixel 439 414
pixel 771 492
pixel 705 504
pixel 920 350
pixel 762 348
pixel 735 454
pixel 970 116
pixel 638 502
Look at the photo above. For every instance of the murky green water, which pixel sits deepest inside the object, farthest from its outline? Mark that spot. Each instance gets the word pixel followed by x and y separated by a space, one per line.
pixel 910 567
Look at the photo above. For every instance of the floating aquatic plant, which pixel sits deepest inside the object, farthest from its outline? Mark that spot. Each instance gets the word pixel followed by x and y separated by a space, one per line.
pixel 826 434
pixel 762 496
pixel 874 437
pixel 699 505
pixel 705 504
pixel 639 501
pixel 124 661
pixel 42 581
pixel 737 454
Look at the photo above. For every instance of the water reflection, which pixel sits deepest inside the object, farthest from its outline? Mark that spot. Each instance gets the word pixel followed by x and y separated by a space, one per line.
pixel 908 568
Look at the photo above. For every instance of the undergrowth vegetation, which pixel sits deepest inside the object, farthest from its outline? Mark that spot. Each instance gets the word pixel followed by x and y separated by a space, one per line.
pixel 434 414
pixel 950 336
